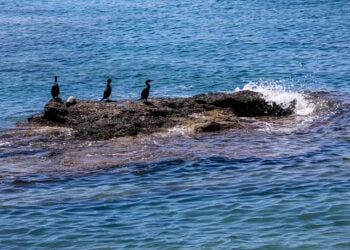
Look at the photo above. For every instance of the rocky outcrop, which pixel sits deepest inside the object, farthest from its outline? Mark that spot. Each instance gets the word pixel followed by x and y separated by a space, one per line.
pixel 201 113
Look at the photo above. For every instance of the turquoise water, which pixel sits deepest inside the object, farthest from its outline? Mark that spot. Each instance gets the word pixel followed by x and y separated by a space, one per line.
pixel 273 185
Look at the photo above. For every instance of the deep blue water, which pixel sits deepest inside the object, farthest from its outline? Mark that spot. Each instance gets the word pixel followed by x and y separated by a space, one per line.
pixel 273 185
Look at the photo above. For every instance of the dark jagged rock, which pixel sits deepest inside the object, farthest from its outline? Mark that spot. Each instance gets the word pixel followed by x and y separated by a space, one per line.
pixel 201 113
pixel 211 127
pixel 245 103
pixel 55 111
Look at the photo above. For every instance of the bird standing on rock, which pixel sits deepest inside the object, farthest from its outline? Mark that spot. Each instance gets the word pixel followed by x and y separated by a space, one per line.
pixel 107 91
pixel 145 91
pixel 55 90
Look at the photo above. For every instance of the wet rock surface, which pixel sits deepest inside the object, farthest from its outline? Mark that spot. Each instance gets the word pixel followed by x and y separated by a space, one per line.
pixel 211 112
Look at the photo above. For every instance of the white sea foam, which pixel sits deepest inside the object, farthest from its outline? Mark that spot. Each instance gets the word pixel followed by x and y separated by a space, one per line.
pixel 4 143
pixel 276 92
pixel 180 130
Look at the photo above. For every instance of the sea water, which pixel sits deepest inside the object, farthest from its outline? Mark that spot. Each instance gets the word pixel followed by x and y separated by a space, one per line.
pixel 275 184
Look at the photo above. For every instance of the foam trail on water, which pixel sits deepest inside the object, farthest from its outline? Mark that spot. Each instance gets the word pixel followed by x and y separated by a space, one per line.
pixel 277 93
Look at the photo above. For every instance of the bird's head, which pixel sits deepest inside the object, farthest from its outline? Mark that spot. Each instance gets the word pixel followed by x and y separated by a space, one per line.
pixel 109 80
pixel 148 81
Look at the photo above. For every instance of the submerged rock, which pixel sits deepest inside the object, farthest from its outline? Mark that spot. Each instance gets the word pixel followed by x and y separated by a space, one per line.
pixel 201 113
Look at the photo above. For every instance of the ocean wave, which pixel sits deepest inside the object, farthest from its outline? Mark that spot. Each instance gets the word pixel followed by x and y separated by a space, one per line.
pixel 276 91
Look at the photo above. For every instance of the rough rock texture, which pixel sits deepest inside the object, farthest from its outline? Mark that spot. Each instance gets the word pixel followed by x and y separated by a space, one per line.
pixel 201 113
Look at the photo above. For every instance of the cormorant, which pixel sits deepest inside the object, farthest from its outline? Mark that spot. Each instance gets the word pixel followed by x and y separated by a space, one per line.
pixel 55 90
pixel 145 91
pixel 108 90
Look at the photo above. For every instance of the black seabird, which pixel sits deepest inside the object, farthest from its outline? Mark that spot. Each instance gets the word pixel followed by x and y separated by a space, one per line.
pixel 145 91
pixel 108 90
pixel 55 90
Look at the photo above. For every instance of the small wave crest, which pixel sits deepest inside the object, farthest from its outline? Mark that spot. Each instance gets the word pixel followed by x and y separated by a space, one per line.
pixel 276 92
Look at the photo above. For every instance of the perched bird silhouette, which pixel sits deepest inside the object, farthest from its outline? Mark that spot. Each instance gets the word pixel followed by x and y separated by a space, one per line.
pixel 145 91
pixel 55 90
pixel 107 91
